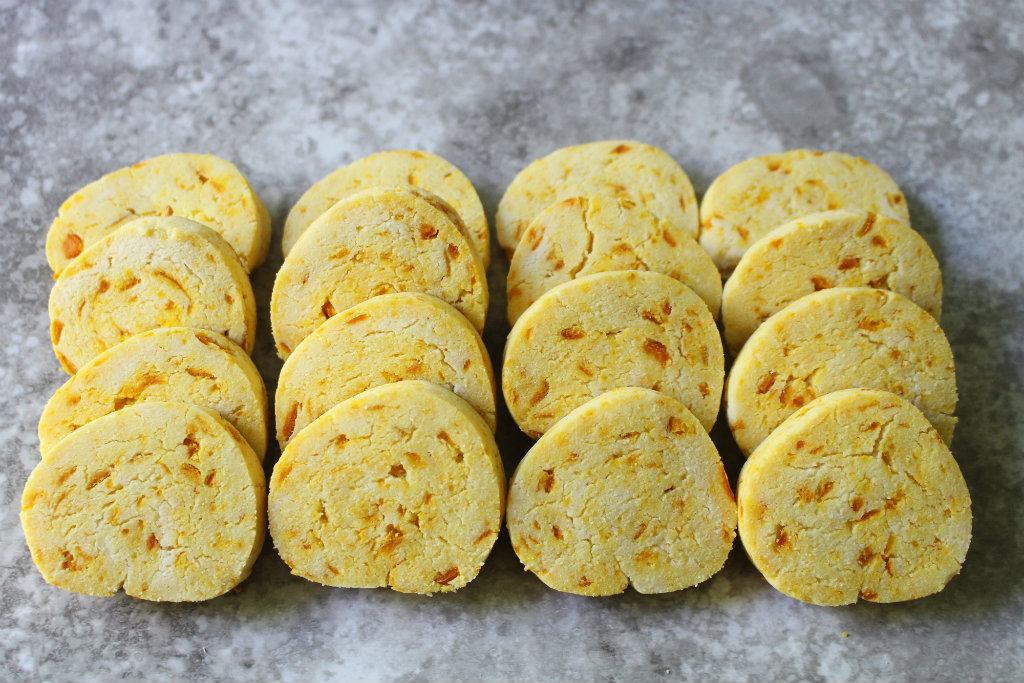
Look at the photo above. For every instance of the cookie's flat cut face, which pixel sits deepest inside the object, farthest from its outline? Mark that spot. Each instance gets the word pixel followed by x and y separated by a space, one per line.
pixel 855 496
pixel 626 489
pixel 585 235
pixel 153 272
pixel 836 339
pixel 400 486
pixel 380 241
pixel 164 500
pixel 388 169
pixel 201 187
pixel 609 330
pixel 758 195
pixel 621 169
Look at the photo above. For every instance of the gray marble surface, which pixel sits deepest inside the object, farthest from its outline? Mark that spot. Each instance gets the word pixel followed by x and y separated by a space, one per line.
pixel 932 91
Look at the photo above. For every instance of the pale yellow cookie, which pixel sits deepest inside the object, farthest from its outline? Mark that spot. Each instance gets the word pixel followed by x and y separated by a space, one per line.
pixel 153 272
pixel 202 187
pixel 584 235
pixel 758 195
pixel 385 339
pixel 822 250
pixel 393 168
pixel 835 339
pixel 400 486
pixel 609 330
pixel 626 489
pixel 623 169
pixel 379 241
pixel 855 496
pixel 165 364
pixel 164 500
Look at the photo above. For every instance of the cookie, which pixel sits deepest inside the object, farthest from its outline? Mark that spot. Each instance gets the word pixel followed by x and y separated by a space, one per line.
pixel 153 272
pixel 201 187
pixel 376 242
pixel 855 496
pixel 822 250
pixel 610 330
pixel 626 489
pixel 835 339
pixel 165 364
pixel 623 169
pixel 758 195
pixel 164 500
pixel 385 339
pixel 400 486
pixel 583 235
pixel 393 168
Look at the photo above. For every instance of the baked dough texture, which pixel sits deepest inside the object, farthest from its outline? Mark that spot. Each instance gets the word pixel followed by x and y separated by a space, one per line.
pixel 153 272
pixel 393 168
pixel 855 496
pixel 399 486
pixel 584 235
pixel 758 195
pixel 623 169
pixel 610 330
pixel 202 187
pixel 165 364
pixel 164 500
pixel 379 241
pixel 626 489
pixel 388 338
pixel 835 339
pixel 822 250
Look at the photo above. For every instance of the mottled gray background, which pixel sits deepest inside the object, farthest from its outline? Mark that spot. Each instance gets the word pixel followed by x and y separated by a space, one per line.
pixel 289 91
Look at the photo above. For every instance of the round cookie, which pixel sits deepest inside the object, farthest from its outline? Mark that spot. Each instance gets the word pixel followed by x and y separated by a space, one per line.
pixel 855 496
pixel 153 272
pixel 626 489
pixel 400 486
pixel 758 195
pixel 623 169
pixel 393 168
pixel 610 330
pixel 164 500
pixel 165 364
pixel 201 187
pixel 584 235
pixel 385 339
pixel 375 242
pixel 840 338
pixel 822 250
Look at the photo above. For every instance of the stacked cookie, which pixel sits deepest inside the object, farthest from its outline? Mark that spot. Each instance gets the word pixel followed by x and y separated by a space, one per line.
pixel 150 478
pixel 842 393
pixel 385 406
pixel 615 364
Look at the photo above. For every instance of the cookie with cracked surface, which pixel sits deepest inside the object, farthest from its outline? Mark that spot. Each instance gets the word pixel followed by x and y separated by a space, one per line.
pixel 584 235
pixel 855 496
pixel 166 364
pixel 393 168
pixel 840 338
pixel 609 330
pixel 164 500
pixel 388 338
pixel 152 272
pixel 822 250
pixel 622 169
pixel 758 195
pixel 202 187
pixel 399 486
pixel 626 489
pixel 379 241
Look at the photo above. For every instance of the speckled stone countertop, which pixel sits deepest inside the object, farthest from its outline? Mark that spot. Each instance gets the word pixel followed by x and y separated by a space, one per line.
pixel 932 92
